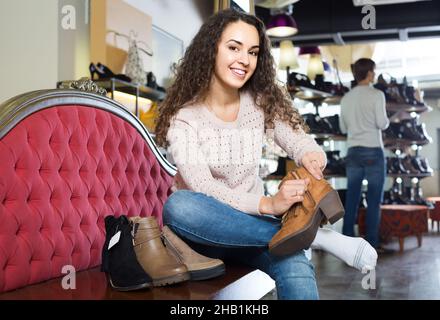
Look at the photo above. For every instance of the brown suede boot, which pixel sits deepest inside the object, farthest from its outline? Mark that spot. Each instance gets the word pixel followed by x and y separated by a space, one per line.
pixel 152 255
pixel 301 222
pixel 199 267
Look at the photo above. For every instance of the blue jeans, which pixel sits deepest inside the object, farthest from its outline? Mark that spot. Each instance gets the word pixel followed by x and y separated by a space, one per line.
pixel 217 230
pixel 364 163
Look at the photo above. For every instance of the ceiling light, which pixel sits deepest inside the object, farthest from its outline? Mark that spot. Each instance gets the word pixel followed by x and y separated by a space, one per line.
pixel 281 25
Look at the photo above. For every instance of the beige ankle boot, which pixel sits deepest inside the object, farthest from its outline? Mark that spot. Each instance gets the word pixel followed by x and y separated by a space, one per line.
pixel 152 255
pixel 199 267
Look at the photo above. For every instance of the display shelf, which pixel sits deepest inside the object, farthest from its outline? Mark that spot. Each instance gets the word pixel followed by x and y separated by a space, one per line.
pixel 328 136
pixel 410 175
pixel 113 84
pixel 396 107
pixel 392 143
pixel 309 94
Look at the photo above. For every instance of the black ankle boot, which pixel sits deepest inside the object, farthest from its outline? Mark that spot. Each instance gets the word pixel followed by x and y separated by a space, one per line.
pixel 120 262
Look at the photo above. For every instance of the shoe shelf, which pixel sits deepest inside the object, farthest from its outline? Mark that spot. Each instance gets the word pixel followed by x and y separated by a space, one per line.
pixel 394 144
pixel 402 138
pixel 315 96
pixel 113 84
pixel 396 107
pixel 410 175
pixel 306 93
pixel 328 136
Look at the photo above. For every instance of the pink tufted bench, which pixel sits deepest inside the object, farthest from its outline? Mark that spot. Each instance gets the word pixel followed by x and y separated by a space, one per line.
pixel 67 160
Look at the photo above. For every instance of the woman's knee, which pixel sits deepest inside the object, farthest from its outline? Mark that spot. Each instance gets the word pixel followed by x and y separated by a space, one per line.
pixel 182 205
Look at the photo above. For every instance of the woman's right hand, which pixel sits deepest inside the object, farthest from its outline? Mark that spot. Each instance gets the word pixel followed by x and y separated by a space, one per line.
pixel 290 192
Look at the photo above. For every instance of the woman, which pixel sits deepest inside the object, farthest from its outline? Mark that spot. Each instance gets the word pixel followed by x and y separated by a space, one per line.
pixel 224 99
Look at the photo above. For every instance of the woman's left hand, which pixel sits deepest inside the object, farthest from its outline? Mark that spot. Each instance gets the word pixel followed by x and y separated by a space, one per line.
pixel 314 162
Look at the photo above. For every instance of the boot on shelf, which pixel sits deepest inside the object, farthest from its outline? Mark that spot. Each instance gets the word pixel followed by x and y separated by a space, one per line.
pixel 314 122
pixel 417 164
pixel 334 123
pixel 421 129
pixel 407 130
pixel 398 167
pixel 407 164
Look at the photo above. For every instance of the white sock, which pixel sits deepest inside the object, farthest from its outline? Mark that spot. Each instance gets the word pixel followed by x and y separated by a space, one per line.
pixel 354 251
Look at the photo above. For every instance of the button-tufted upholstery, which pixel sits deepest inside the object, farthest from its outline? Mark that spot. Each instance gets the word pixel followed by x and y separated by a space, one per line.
pixel 62 171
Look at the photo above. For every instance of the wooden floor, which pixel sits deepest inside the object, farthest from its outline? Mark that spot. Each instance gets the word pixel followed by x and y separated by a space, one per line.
pixel 414 274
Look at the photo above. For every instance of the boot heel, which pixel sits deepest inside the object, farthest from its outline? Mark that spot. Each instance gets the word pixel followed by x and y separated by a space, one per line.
pixel 332 207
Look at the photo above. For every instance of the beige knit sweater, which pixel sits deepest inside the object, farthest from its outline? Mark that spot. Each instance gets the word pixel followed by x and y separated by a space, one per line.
pixel 221 159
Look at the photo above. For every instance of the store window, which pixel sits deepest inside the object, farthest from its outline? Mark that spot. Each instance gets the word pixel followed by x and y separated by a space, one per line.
pixel 413 59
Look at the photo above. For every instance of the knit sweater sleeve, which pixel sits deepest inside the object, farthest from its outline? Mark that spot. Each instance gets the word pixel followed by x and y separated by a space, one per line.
pixel 296 143
pixel 193 168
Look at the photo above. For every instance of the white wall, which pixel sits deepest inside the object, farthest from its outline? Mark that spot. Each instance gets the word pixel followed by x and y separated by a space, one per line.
pixel 29 46
pixel 181 18
pixel 431 185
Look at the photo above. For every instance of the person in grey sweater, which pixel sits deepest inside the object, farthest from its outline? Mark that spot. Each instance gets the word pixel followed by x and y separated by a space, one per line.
pixel 363 117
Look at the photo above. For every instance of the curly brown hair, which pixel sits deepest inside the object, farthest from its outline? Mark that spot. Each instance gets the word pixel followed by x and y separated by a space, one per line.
pixel 198 64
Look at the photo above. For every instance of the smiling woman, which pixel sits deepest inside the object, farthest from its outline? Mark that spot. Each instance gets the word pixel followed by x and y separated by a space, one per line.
pixel 240 5
pixel 226 87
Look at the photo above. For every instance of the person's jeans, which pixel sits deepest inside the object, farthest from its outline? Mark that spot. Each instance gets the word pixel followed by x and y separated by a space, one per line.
pixel 364 163
pixel 217 230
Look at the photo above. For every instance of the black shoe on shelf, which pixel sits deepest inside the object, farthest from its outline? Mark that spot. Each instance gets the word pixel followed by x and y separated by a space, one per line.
pixel 407 164
pixel 326 126
pixel 334 123
pixel 398 167
pixel 417 164
pixel 390 168
pixel 299 79
pixel 421 129
pixel 407 129
pixel 151 81
pixel 105 73
pixel 94 72
pixel 312 121
pixel 425 165
pixel 412 97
